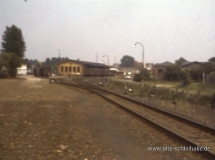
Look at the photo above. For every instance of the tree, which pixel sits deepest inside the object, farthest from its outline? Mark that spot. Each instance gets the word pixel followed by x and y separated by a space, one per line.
pixel 146 75
pixel 48 61
pixel 207 68
pixel 180 61
pixel 212 59
pixel 196 74
pixel 3 72
pixel 127 61
pixel 13 41
pixel 10 61
pixel 13 44
pixel 173 73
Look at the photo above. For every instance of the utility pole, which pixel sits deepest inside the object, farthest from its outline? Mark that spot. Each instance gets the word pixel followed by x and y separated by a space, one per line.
pixel 59 52
pixel 142 66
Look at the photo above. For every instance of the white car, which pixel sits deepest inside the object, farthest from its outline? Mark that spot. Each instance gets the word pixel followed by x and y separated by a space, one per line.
pixel 128 77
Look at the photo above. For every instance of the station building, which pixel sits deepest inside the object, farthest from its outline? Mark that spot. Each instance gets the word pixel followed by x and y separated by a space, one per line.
pixel 82 68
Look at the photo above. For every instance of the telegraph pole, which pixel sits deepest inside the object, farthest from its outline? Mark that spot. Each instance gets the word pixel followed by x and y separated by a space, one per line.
pixel 59 52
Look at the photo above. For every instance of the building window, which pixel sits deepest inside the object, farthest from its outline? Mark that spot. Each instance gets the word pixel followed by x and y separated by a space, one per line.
pixel 74 69
pixel 61 68
pixel 66 69
pixel 160 70
pixel 78 69
pixel 70 69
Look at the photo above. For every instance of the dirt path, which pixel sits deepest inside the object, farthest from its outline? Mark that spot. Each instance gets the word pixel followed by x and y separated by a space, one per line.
pixel 39 120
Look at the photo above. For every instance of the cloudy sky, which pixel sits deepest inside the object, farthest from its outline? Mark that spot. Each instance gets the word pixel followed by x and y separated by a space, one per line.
pixel 168 29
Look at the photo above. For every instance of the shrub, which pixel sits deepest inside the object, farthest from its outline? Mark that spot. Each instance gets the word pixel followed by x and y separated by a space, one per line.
pixel 138 77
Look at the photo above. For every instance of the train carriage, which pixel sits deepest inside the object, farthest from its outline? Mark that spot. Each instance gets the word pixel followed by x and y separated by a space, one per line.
pixel 42 71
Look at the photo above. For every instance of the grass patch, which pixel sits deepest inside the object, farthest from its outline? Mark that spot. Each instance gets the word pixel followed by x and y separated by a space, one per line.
pixel 195 93
pixel 196 87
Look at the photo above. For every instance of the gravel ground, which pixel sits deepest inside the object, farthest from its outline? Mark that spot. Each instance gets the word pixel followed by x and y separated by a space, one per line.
pixel 39 120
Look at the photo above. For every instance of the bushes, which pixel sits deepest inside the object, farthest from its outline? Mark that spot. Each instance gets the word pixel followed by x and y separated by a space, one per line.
pixel 175 73
pixel 168 94
pixel 211 78
pixel 3 73
pixel 138 77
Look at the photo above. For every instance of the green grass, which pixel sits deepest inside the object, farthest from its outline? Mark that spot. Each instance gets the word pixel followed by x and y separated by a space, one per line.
pixel 195 87
pixel 194 93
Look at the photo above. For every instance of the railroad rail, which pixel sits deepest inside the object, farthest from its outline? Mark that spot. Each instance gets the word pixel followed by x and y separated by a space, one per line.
pixel 192 132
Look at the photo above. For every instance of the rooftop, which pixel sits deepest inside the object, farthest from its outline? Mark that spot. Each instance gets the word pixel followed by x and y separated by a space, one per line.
pixel 89 64
pixel 164 64
pixel 189 63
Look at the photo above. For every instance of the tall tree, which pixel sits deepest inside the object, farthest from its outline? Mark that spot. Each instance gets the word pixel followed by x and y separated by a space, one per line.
pixel 127 61
pixel 13 44
pixel 10 61
pixel 212 59
pixel 180 61
pixel 13 41
pixel 175 73
pixel 48 61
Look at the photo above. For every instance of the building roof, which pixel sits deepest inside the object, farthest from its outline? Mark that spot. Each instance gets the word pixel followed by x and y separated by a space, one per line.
pixel 164 64
pixel 184 64
pixel 88 64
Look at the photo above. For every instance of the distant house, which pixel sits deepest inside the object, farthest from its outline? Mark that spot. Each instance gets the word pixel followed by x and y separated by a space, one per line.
pixel 149 66
pixel 138 65
pixel 22 69
pixel 159 69
pixel 192 65
pixel 116 72
pixel 116 65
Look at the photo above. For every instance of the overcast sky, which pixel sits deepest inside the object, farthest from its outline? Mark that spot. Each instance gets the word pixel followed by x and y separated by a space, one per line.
pixel 168 29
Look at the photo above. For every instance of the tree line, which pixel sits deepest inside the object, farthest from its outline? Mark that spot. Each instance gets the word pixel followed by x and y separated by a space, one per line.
pixel 175 72
pixel 12 54
pixel 48 62
pixel 14 47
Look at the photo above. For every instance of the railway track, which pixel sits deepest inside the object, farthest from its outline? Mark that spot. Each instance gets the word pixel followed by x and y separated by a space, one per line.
pixel 195 134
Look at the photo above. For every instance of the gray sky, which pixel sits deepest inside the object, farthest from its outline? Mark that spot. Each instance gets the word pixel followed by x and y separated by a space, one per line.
pixel 168 29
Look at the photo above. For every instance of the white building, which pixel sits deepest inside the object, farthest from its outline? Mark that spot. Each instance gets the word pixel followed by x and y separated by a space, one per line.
pixel 22 69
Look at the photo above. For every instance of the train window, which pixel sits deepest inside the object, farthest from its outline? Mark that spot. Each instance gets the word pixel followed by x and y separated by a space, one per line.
pixel 78 69
pixel 74 69
pixel 66 69
pixel 61 68
pixel 70 69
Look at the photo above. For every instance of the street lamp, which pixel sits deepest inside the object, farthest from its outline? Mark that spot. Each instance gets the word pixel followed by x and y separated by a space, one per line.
pixel 142 66
pixel 108 68
pixel 102 61
pixel 107 57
